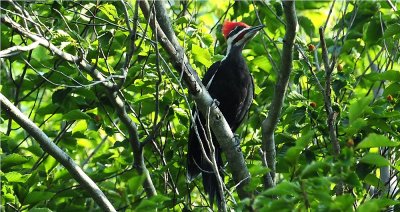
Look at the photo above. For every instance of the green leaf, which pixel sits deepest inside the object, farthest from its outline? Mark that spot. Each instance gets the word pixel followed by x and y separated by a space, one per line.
pixel 305 139
pixel 48 109
pixel 374 140
pixel 295 96
pixel 393 29
pixel 109 10
pixel 375 159
pixel 293 153
pixel 377 204
pixel 390 75
pixel 257 89
pixel 146 205
pixel 373 32
pixel 16 177
pixel 80 126
pixel 75 115
pixel 40 210
pixel 135 183
pixel 312 169
pixel 201 55
pixel 353 180
pixel 393 88
pixel 37 196
pixel 284 188
pixel 257 170
pixel 307 25
pixel 143 97
pixel 262 63
pixel 372 180
pixel 342 203
pixel 153 203
pixel 13 160
pixel 355 126
pixel 357 108
pixel 181 20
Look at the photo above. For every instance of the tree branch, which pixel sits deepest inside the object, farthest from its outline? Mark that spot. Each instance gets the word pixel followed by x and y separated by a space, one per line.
pixel 17 49
pixel 327 95
pixel 112 94
pixel 328 103
pixel 203 99
pixel 270 123
pixel 51 148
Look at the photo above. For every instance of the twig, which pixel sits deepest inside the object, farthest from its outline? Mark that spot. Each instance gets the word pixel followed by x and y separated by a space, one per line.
pixel 392 5
pixel 329 14
pixel 310 67
pixel 305 196
pixel 214 165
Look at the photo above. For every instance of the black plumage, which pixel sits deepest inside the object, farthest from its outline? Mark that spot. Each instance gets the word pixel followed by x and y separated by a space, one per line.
pixel 230 83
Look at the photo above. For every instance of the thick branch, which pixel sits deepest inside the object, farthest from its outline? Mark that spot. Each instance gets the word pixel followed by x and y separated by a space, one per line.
pixel 112 93
pixel 51 148
pixel 165 23
pixel 270 123
pixel 203 99
pixel 17 49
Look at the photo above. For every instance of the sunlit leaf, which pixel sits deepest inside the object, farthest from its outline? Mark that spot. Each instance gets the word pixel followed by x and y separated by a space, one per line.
pixel 393 29
pixel 357 108
pixel 16 177
pixel 375 159
pixel 37 196
pixel 374 140
pixel 201 55
pixel 14 159
pixel 109 10
pixel 75 115
pixel 391 75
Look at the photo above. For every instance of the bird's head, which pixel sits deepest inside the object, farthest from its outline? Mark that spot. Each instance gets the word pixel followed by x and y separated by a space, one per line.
pixel 237 34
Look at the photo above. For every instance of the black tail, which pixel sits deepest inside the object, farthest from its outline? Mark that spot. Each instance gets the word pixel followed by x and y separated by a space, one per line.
pixel 196 163
pixel 210 182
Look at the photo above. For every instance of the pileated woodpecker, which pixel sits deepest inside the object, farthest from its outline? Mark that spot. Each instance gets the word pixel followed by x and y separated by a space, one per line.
pixel 231 84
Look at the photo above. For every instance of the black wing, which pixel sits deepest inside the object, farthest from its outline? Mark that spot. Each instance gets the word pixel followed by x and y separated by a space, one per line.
pixel 245 105
pixel 210 73
pixel 196 164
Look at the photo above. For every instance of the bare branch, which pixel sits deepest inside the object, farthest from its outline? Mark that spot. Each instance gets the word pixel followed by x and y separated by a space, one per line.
pixel 17 49
pixel 270 123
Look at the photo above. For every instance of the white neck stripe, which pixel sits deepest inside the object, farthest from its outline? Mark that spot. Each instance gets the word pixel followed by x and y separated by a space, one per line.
pixel 230 40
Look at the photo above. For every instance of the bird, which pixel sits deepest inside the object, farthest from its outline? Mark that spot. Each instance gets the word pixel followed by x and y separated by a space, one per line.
pixel 230 83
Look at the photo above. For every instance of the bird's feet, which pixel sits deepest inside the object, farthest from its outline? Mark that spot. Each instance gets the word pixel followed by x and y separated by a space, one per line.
pixel 215 103
pixel 236 142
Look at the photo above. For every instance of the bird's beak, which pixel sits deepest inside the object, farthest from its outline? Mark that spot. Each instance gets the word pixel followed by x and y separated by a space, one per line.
pixel 252 31
pixel 256 28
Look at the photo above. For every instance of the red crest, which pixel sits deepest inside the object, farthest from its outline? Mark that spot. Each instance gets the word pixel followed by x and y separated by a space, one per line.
pixel 229 26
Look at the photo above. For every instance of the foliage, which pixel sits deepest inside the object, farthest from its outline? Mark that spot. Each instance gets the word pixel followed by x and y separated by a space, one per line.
pixel 73 109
